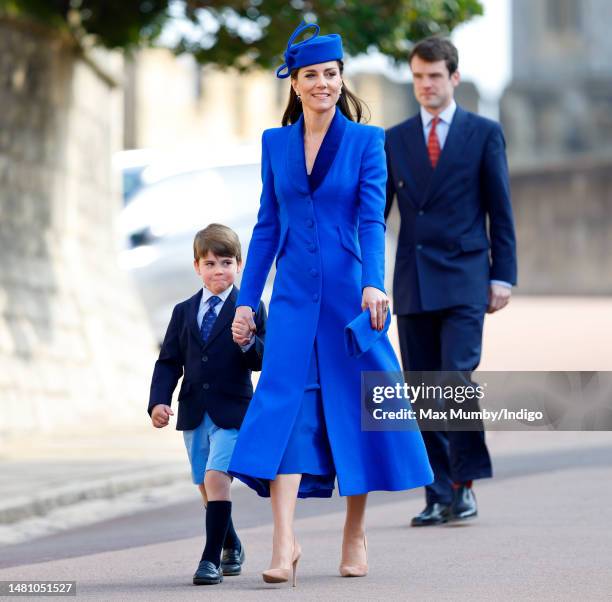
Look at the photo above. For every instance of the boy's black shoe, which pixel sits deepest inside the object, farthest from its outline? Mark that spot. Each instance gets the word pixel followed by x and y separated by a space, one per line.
pixel 232 560
pixel 207 574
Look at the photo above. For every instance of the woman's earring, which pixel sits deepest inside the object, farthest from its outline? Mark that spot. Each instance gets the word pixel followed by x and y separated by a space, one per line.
pixel 299 97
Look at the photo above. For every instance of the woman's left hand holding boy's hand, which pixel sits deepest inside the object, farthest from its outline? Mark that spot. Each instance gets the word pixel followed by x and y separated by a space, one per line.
pixel 243 325
pixel 378 303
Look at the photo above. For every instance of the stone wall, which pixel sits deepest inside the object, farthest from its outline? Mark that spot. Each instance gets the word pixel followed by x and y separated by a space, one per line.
pixel 557 119
pixel 563 216
pixel 75 347
pixel 560 39
pixel 558 102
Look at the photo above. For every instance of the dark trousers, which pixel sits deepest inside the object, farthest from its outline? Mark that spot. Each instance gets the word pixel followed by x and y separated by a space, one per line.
pixel 449 340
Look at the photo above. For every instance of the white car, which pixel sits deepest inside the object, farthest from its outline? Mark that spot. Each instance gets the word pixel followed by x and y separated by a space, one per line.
pixel 158 225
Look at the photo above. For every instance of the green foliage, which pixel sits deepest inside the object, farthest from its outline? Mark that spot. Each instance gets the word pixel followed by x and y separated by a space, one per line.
pixel 248 33
pixel 387 25
pixel 111 23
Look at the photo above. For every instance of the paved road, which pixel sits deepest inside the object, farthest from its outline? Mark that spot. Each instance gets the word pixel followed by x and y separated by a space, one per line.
pixel 543 534
pixel 544 531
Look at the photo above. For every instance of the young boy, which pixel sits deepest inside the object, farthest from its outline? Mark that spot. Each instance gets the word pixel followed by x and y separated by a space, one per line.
pixel 216 388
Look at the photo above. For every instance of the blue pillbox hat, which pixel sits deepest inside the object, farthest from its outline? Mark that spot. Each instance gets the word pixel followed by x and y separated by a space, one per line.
pixel 311 51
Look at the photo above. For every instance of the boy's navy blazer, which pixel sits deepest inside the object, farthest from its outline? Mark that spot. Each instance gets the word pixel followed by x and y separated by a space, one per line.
pixel 445 257
pixel 216 374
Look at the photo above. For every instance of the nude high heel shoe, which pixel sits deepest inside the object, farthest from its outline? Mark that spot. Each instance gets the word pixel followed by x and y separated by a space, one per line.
pixel 355 570
pixel 281 575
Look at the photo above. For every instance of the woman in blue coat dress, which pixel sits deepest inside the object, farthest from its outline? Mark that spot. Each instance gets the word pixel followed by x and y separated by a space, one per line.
pixel 321 216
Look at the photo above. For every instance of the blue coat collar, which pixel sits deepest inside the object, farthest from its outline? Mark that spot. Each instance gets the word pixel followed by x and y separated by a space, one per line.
pixel 327 152
pixel 296 159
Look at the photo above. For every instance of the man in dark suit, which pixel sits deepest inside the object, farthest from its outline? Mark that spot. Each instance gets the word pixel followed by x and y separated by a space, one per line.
pixel 447 167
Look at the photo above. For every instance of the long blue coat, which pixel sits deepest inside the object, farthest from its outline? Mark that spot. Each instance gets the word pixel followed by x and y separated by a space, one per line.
pixel 329 245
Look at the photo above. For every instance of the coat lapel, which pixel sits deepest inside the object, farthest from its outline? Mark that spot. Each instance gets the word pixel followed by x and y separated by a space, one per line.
pixel 226 316
pixel 328 151
pixel 419 167
pixel 296 161
pixel 456 139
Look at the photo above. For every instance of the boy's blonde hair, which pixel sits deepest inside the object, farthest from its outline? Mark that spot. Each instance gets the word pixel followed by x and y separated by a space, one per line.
pixel 219 239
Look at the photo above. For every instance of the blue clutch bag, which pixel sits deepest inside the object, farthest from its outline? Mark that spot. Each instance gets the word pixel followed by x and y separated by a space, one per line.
pixel 359 336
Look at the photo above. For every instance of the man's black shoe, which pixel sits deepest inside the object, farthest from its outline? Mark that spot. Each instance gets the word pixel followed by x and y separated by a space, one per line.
pixel 232 561
pixel 207 574
pixel 434 514
pixel 464 504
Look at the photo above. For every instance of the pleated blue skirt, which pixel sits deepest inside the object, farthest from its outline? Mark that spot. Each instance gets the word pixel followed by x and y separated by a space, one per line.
pixel 308 451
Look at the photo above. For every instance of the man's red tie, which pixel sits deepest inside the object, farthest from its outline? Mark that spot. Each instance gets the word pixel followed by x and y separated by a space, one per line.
pixel 433 144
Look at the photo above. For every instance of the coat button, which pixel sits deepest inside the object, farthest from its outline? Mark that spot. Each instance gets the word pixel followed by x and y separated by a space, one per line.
pixel 315 297
pixel 400 184
pixel 309 223
pixel 204 358
pixel 419 247
pixel 205 386
pixel 311 248
pixel 314 273
pixel 421 212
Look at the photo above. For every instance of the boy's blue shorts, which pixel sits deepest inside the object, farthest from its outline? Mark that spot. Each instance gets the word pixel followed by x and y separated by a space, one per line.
pixel 209 447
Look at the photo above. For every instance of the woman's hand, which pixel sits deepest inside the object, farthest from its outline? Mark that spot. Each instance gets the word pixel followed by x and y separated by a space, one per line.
pixel 378 302
pixel 243 325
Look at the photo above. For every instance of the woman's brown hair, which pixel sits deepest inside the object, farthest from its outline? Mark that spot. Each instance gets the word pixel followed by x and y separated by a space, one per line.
pixel 351 106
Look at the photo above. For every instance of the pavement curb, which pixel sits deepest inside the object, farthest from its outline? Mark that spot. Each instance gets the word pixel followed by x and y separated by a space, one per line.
pixel 24 507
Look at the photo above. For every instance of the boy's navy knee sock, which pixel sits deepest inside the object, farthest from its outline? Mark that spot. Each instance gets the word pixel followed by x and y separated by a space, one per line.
pixel 218 515
pixel 231 538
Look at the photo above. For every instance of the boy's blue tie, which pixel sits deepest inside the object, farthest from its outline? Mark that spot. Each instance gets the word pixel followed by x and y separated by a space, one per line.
pixel 209 317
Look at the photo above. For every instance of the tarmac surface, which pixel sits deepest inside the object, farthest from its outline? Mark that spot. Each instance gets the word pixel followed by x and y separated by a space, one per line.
pixel 542 534
pixel 114 509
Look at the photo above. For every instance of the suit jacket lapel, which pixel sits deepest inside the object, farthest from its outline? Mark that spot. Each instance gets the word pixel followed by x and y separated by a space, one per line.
pixel 419 166
pixel 458 134
pixel 226 315
pixel 194 305
pixel 296 161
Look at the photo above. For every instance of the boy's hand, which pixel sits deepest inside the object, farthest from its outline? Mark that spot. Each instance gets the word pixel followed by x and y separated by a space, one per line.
pixel 243 326
pixel 241 332
pixel 160 416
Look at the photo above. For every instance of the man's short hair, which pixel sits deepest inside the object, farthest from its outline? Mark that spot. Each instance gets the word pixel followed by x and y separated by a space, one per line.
pixel 219 239
pixel 436 48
